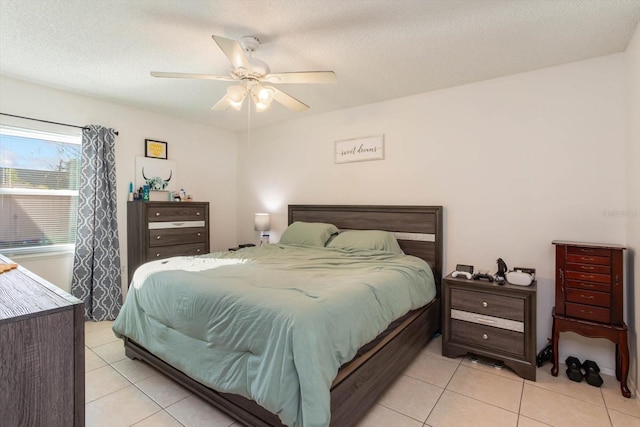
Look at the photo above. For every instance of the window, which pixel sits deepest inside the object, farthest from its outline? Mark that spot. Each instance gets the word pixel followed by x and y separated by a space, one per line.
pixel 39 181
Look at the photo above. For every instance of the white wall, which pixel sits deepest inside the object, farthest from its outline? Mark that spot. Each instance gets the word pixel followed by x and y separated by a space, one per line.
pixel 633 199
pixel 205 156
pixel 517 162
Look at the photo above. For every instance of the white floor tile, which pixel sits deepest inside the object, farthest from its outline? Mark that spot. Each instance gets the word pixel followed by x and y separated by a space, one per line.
pixel 162 390
pixel 122 408
pixel 411 397
pixel 456 410
pixel 380 416
pixel 195 412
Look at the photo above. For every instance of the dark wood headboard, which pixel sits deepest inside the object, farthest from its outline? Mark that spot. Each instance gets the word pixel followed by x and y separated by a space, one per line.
pixel 417 228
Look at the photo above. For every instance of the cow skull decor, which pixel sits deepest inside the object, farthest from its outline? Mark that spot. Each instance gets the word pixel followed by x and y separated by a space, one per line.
pixel 156 183
pixel 158 174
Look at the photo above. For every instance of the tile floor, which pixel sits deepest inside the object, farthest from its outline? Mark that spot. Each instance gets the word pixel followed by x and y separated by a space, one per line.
pixel 435 391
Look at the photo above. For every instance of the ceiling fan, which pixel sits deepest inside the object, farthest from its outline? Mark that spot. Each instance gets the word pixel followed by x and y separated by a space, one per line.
pixel 254 77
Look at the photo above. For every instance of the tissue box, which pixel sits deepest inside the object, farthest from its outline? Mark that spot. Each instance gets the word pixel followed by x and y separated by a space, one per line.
pixel 158 196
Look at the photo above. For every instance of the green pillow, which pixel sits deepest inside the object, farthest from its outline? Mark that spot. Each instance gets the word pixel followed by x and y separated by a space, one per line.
pixel 308 233
pixel 366 239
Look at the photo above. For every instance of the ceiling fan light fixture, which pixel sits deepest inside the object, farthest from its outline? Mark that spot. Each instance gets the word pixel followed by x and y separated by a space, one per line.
pixel 262 97
pixel 236 95
pixel 265 94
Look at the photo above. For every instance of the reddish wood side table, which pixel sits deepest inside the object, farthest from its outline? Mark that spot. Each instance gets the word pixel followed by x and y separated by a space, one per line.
pixel 615 334
pixel 589 298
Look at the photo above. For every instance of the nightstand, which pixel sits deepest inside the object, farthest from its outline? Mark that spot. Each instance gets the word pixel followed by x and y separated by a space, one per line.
pixel 244 245
pixel 490 320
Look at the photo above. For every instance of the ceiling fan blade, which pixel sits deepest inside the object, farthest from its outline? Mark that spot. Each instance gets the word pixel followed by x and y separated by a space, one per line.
pixel 288 101
pixel 223 104
pixel 233 51
pixel 192 76
pixel 302 77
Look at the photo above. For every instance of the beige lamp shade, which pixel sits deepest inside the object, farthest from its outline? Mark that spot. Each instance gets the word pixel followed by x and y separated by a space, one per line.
pixel 262 222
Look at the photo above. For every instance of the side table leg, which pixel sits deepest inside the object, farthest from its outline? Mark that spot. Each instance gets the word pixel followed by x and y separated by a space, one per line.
pixel 624 363
pixel 554 344
pixel 618 360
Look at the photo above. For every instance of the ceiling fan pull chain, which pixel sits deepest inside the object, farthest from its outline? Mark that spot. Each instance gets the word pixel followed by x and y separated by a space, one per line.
pixel 248 125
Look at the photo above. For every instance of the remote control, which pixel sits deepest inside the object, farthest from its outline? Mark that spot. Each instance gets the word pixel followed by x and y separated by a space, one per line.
pixel 479 276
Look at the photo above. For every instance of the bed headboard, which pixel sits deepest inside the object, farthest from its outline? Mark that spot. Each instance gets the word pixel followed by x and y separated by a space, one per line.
pixel 417 228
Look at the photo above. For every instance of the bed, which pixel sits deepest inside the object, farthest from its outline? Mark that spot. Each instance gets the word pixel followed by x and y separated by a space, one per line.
pixel 361 381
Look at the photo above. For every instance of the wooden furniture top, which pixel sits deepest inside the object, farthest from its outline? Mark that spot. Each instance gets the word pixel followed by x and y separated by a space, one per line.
pixel 588 245
pixel 24 295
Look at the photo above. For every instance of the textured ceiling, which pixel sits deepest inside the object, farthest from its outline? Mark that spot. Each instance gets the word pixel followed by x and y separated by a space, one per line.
pixel 378 49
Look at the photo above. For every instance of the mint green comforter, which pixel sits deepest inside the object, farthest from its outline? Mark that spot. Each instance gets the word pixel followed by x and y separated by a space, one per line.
pixel 271 323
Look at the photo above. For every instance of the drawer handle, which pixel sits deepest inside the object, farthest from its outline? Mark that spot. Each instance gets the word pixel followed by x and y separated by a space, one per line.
pixel 178 224
pixel 587 285
pixel 157 213
pixel 157 255
pixel 198 250
pixel 586 311
pixel 482 319
pixel 197 213
pixel 586 258
pixel 485 336
pixel 587 251
pixel 586 296
pixel 199 234
pixel 157 237
pixel 585 267
pixel 485 304
pixel 585 276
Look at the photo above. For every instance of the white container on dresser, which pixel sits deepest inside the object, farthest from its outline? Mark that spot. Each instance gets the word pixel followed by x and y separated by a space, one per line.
pixel 157 230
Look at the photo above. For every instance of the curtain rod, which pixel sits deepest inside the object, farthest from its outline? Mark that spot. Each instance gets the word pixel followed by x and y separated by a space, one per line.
pixel 47 121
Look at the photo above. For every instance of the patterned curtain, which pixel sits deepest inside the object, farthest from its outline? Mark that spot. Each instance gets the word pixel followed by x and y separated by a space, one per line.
pixel 96 265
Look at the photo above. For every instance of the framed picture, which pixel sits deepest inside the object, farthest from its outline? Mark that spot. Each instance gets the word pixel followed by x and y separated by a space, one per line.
pixel 155 149
pixel 360 149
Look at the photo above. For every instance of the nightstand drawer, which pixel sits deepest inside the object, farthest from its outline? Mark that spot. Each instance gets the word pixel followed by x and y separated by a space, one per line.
pixel 474 334
pixel 589 268
pixel 177 250
pixel 589 259
pixel 588 251
pixel 488 304
pixel 589 286
pixel 167 237
pixel 181 211
pixel 589 277
pixel 588 312
pixel 601 299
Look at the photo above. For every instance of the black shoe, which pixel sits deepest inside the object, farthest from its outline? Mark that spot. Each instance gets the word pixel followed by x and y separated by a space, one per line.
pixel 573 369
pixel 592 375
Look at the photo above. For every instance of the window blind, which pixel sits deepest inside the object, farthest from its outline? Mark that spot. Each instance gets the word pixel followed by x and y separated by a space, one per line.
pixel 39 181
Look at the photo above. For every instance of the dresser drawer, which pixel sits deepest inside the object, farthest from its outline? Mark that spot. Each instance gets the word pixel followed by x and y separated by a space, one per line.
pixel 589 277
pixel 589 268
pixel 589 259
pixel 589 286
pixel 601 299
pixel 588 312
pixel 181 212
pixel 588 251
pixel 488 304
pixel 166 237
pixel 177 250
pixel 488 337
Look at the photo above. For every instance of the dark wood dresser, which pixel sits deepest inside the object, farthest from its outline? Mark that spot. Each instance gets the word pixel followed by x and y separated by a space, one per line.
pixel 589 298
pixel 490 320
pixel 41 352
pixel 157 230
